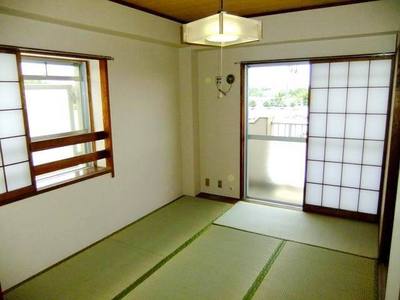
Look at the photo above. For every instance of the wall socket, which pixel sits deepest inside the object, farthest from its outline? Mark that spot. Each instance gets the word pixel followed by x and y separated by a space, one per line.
pixel 220 184
pixel 207 182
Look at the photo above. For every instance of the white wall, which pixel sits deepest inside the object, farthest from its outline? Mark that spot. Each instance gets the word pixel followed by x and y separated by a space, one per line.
pixel 393 279
pixel 99 16
pixel 189 121
pixel 351 29
pixel 39 231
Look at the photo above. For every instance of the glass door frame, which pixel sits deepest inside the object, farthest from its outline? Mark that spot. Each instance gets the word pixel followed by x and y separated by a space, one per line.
pixel 243 130
pixel 245 135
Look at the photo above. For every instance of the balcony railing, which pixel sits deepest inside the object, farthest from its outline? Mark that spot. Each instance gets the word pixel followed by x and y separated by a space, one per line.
pixel 288 129
pixel 264 129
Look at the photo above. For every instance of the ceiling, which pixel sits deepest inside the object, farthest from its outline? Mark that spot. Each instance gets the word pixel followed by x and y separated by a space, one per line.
pixel 184 11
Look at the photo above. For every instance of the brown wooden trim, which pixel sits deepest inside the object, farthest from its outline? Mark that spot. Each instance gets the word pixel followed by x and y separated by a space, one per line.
pixel 6 50
pixel 340 213
pixel 105 94
pixel 388 209
pixel 68 140
pixel 147 10
pixel 69 162
pixel 386 141
pixel 90 104
pixel 218 198
pixel 4 169
pixel 310 7
pixel 307 138
pixel 30 191
pixel 242 127
pixel 382 270
pixel 53 52
pixel 25 116
pixel 87 174
pixel 13 196
pixel 260 14
pixel 322 59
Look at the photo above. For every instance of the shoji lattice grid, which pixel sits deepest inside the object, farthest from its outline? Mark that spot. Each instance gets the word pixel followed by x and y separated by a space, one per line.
pixel 347 127
pixel 14 160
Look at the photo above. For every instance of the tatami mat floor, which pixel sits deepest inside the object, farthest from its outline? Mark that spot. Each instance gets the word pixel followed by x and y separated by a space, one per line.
pixel 354 237
pixel 177 253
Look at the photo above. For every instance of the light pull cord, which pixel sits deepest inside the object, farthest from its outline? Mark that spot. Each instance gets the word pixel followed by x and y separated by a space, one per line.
pixel 219 78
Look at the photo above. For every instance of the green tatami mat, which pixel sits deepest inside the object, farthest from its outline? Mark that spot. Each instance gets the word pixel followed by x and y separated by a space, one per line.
pixel 222 263
pixel 97 273
pixel 107 268
pixel 165 230
pixel 303 272
pixel 348 236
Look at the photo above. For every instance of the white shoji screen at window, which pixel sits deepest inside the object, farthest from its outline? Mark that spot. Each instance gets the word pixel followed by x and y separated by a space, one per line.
pixel 14 162
pixel 347 126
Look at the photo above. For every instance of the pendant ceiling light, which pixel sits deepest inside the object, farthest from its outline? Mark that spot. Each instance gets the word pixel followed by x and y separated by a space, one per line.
pixel 222 29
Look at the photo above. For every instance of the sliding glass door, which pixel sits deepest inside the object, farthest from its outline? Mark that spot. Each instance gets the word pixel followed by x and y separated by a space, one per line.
pixel 315 133
pixel 277 109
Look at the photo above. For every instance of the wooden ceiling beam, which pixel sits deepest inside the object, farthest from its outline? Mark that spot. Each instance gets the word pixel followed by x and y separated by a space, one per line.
pixel 184 11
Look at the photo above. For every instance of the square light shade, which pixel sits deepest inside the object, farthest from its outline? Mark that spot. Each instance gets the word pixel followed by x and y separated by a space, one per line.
pixel 222 30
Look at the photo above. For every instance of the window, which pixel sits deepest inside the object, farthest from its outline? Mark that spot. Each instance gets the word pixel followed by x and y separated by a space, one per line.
pixel 55 126
pixel 55 93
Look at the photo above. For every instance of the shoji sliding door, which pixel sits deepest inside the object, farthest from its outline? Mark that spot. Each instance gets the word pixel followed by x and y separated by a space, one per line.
pixel 349 103
pixel 15 168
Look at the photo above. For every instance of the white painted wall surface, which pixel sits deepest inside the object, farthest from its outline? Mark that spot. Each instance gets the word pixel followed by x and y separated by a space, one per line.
pixel 189 121
pixel 39 231
pixel 97 15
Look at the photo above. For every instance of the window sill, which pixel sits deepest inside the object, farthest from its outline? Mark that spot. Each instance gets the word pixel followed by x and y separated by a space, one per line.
pixel 74 177
pixel 70 178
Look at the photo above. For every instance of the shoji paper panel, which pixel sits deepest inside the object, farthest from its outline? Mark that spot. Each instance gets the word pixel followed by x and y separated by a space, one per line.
pixel 18 176
pixel 2 181
pixel 15 170
pixel 349 103
pixel 8 70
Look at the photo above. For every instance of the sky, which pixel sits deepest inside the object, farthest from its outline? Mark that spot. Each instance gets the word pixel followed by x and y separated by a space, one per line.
pixel 279 76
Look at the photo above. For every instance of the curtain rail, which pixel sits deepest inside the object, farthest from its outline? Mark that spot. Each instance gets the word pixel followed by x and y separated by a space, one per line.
pixel 54 52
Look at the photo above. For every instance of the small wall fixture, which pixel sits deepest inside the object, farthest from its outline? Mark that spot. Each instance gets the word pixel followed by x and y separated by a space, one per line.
pixel 230 79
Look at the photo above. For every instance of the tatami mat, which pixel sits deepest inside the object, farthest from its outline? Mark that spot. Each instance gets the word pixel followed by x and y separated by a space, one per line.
pixel 175 253
pixel 303 272
pixel 221 264
pixel 348 236
pixel 104 270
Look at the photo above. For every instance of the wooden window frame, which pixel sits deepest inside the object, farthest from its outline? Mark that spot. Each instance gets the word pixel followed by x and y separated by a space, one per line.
pixel 66 140
pixel 388 207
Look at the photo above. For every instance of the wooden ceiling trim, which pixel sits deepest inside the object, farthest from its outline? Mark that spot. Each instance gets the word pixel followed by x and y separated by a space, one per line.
pixel 233 7
pixel 147 10
pixel 289 10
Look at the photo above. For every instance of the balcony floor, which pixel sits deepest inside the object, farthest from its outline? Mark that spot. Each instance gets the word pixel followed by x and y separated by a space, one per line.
pixel 272 192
